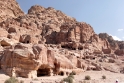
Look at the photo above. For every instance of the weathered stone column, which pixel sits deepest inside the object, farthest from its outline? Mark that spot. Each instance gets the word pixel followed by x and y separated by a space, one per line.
pixel 51 72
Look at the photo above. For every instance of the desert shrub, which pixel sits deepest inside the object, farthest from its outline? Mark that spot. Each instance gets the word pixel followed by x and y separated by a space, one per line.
pixel 71 76
pixel 69 79
pixel 103 77
pixel 73 73
pixel 87 77
pixel 11 80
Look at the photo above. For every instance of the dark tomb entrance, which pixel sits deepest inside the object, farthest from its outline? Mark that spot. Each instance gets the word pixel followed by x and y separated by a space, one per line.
pixel 43 72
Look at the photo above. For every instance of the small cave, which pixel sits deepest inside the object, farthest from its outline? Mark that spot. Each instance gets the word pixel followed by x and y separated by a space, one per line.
pixel 83 58
pixel 27 42
pixel 80 48
pixel 93 58
pixel 94 69
pixel 73 48
pixel 87 57
pixel 78 57
pixel 61 73
pixel 63 46
pixel 42 72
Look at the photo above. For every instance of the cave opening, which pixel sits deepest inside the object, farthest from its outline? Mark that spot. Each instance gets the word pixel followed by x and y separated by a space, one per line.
pixel 61 73
pixel 80 48
pixel 43 72
pixel 63 46
pixel 73 48
pixel 27 42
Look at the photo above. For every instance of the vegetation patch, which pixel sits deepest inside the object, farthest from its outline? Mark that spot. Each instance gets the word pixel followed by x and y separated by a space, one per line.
pixel 12 80
pixel 69 79
pixel 87 77
pixel 73 73
pixel 103 77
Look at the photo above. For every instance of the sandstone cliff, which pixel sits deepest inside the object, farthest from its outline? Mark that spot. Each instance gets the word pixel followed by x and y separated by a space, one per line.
pixel 47 42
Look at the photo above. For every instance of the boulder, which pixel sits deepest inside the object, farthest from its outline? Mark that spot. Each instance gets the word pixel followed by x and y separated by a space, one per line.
pixel 7 42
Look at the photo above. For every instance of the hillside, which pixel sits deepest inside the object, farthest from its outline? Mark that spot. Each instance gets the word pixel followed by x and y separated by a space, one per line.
pixel 46 42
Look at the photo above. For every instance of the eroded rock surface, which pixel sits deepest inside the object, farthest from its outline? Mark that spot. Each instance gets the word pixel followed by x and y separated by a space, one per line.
pixel 9 8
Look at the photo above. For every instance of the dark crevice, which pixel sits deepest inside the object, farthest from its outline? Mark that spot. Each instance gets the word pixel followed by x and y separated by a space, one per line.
pixel 42 72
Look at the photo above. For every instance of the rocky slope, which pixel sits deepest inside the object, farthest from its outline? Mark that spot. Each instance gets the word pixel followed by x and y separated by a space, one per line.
pixel 47 42
pixel 9 8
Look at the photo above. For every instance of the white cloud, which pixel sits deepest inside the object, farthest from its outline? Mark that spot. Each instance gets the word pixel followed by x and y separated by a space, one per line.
pixel 115 37
pixel 120 29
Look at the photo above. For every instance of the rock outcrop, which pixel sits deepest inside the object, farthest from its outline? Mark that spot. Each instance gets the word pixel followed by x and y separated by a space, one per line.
pixel 9 8
pixel 112 42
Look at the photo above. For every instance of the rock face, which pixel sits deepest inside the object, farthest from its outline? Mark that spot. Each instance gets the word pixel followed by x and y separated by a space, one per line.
pixel 47 42
pixel 9 8
pixel 24 60
pixel 78 32
pixel 112 42
pixel 33 60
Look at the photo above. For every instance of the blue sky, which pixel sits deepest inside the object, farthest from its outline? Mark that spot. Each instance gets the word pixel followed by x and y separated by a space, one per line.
pixel 103 15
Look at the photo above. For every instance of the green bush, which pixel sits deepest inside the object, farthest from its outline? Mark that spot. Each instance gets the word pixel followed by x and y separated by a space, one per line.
pixel 12 80
pixel 73 73
pixel 71 76
pixel 87 77
pixel 103 77
pixel 69 79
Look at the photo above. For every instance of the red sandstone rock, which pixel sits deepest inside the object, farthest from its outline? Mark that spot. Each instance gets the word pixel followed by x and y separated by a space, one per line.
pixel 9 8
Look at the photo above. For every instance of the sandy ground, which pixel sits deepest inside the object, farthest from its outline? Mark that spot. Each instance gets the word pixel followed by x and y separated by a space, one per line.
pixel 3 77
pixel 96 77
